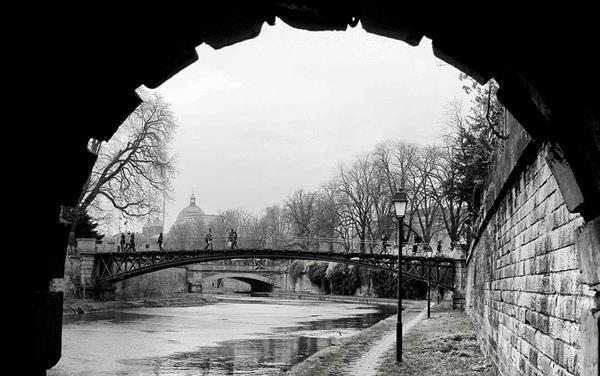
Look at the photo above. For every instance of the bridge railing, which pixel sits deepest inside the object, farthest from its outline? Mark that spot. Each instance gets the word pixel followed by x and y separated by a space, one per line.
pixel 313 244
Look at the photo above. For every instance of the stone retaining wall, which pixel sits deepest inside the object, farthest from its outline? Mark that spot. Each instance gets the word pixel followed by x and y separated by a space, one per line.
pixel 524 289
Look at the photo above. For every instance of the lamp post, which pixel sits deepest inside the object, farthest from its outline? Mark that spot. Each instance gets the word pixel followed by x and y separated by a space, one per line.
pixel 428 254
pixel 400 201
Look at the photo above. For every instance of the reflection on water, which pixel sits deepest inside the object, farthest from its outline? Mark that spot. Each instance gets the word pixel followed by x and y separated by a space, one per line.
pixel 264 356
pixel 245 338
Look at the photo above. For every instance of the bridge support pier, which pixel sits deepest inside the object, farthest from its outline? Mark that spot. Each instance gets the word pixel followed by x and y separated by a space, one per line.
pixel 460 280
pixel 104 292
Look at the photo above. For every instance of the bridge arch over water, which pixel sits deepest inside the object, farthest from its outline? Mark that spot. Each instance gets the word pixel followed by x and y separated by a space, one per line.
pixel 257 282
pixel 107 268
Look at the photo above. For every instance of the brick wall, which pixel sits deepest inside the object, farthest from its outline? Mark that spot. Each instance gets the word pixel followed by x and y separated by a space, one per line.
pixel 524 290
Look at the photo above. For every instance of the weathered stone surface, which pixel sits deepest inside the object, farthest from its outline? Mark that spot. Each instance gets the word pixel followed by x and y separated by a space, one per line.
pixel 587 243
pixel 525 288
pixel 86 245
pixel 384 21
pixel 318 16
pixel 159 283
pixel 590 322
pixel 564 176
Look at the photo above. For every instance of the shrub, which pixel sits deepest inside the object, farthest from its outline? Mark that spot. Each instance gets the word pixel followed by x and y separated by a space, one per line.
pixel 295 271
pixel 345 280
pixel 317 274
pixel 384 283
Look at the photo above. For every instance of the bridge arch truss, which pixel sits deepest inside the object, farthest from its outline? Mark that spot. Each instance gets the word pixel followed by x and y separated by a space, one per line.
pixel 112 267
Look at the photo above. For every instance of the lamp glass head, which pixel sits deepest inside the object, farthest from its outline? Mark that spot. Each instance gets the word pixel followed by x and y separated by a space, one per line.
pixel 400 201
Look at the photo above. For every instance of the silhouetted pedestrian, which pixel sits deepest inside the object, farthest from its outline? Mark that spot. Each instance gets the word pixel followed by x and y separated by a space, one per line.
pixel 127 240
pixel 234 237
pixel 416 244
pixel 230 239
pixel 132 243
pixel 160 242
pixel 123 242
pixel 209 240
pixel 384 243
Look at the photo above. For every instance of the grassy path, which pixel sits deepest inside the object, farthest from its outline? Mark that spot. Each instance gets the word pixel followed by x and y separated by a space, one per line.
pixel 337 359
pixel 443 345
pixel 367 364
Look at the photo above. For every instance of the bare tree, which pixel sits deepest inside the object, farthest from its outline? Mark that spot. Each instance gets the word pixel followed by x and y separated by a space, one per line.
pixel 238 219
pixel 276 226
pixel 425 193
pixel 134 168
pixel 301 208
pixel 454 208
pixel 334 207
pixel 396 162
pixel 359 184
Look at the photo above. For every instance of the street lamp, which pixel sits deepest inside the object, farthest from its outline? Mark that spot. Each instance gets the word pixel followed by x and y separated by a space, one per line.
pixel 428 255
pixel 400 201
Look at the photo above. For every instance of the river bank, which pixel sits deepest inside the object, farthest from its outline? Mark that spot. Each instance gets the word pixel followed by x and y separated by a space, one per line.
pixel 79 306
pixel 339 358
pixel 445 344
pixel 337 298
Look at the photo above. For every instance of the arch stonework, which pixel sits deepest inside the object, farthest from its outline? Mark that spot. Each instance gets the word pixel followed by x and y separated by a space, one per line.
pixel 547 75
pixel 257 282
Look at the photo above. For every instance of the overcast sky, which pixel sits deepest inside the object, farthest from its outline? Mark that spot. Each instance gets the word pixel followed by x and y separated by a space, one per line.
pixel 265 117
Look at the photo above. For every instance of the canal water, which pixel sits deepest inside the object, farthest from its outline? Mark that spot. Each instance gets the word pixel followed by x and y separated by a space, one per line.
pixel 249 336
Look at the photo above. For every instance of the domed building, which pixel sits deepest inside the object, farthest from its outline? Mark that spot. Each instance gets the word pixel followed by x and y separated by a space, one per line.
pixel 191 227
pixel 190 212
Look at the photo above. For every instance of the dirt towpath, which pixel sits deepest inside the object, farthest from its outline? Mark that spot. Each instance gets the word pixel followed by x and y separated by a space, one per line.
pixel 369 361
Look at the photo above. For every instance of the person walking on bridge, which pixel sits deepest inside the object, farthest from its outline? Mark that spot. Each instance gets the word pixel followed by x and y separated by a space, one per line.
pixel 123 249
pixel 384 243
pixel 127 240
pixel 234 239
pixel 230 239
pixel 132 243
pixel 160 242
pixel 209 240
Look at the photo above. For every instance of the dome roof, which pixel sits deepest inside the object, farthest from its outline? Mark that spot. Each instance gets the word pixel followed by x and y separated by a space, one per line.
pixel 190 211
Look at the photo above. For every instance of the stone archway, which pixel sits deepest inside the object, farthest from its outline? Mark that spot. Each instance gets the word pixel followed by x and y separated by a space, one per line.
pixel 546 71
pixel 258 283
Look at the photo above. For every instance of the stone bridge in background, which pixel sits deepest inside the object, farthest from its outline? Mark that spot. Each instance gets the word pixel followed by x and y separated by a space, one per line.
pixel 102 269
pixel 261 275
pixel 257 282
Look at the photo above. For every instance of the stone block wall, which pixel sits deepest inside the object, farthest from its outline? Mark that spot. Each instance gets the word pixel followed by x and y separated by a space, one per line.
pixel 160 283
pixel 77 277
pixel 301 285
pixel 524 289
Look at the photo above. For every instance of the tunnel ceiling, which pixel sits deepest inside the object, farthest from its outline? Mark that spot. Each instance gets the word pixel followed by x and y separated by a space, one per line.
pixel 92 62
pixel 76 69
